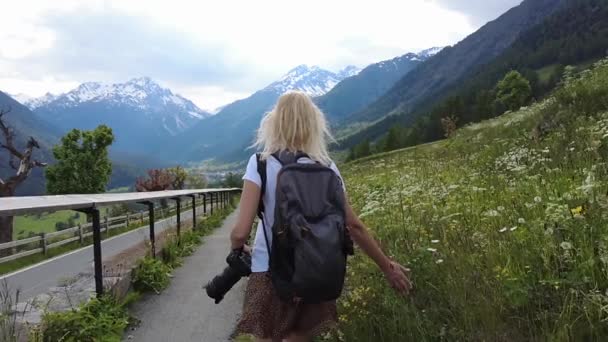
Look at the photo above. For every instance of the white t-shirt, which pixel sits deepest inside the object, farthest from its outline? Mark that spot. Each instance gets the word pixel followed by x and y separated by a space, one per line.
pixel 259 255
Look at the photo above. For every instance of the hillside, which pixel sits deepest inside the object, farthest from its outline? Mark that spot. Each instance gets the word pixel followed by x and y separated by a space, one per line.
pixel 504 227
pixel 458 61
pixel 355 93
pixel 573 35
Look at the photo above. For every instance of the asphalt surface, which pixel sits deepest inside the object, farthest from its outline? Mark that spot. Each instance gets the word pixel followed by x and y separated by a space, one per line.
pixel 39 278
pixel 183 312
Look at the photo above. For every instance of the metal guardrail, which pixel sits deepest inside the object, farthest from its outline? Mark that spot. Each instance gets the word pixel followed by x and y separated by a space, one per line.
pixel 90 205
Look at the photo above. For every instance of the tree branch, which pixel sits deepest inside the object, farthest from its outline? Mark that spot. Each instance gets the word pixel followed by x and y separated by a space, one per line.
pixel 8 136
pixel 26 163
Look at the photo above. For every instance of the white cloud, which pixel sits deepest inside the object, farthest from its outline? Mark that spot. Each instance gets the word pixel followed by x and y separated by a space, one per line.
pixel 212 51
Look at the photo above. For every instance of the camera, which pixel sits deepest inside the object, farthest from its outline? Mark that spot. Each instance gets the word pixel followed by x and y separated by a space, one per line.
pixel 239 265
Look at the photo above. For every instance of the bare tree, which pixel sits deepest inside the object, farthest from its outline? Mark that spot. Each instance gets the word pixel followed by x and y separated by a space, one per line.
pixel 22 163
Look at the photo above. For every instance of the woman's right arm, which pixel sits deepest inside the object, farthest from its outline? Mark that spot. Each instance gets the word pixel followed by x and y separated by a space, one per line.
pixel 397 275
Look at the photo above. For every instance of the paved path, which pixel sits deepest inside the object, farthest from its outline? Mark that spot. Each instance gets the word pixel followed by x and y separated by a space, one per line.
pixel 39 278
pixel 183 312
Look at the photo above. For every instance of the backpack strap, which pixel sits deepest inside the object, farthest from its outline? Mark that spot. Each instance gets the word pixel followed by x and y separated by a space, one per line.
pixel 262 172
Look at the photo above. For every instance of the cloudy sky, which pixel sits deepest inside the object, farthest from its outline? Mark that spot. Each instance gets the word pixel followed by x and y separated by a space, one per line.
pixel 214 52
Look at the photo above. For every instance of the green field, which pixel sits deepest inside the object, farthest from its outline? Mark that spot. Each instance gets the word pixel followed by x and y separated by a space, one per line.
pixel 505 228
pixel 45 223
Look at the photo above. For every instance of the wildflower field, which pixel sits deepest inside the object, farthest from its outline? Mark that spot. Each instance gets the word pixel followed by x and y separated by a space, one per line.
pixel 504 225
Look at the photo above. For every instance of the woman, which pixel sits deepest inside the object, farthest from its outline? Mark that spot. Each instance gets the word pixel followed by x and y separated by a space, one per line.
pixel 295 124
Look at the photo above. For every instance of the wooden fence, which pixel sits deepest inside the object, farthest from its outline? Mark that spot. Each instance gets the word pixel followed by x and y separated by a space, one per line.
pixel 46 241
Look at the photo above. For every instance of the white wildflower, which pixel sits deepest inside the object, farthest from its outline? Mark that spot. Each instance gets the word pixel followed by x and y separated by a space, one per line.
pixel 502 230
pixel 566 245
pixel 538 199
pixel 492 213
pixel 434 241
pixel 439 261
pixel 513 228
pixel 521 220
pixel 432 250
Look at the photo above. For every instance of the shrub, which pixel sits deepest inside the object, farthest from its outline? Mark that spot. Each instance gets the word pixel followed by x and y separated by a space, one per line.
pixel 171 253
pixel 102 319
pixel 151 275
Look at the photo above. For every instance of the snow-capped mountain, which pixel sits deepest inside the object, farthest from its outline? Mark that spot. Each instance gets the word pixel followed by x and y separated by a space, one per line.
pixel 21 98
pixel 348 71
pixel 141 93
pixel 312 80
pixel 235 124
pixel 141 113
pixel 428 53
pixel 35 102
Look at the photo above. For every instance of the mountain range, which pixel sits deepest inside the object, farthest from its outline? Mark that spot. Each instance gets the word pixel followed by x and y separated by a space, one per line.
pixel 157 112
pixel 360 104
pixel 227 134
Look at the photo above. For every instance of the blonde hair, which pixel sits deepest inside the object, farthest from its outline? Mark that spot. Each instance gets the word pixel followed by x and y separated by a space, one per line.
pixel 295 124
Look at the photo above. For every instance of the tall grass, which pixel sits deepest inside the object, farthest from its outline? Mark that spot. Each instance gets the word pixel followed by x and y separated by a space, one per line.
pixel 505 227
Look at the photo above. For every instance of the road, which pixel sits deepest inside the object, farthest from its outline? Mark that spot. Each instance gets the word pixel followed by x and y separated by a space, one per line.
pixel 38 278
pixel 183 312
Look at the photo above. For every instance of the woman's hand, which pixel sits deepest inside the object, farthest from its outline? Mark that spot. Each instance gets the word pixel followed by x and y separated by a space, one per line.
pixel 399 278
pixel 247 249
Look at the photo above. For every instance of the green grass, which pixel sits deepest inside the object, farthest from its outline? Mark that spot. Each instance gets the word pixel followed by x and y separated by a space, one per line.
pixel 505 228
pixel 45 223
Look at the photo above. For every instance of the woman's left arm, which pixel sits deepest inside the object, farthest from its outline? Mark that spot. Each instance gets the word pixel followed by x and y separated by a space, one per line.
pixel 250 198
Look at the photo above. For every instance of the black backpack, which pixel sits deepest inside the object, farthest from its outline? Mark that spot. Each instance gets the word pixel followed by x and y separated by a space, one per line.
pixel 310 241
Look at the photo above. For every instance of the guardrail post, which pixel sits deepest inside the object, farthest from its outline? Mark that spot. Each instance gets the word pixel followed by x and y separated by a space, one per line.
pixel 205 204
pixel 142 216
pixel 80 235
pixel 193 211
pixel 212 200
pixel 107 224
pixel 43 243
pixel 151 224
pixel 178 207
pixel 127 219
pixel 94 212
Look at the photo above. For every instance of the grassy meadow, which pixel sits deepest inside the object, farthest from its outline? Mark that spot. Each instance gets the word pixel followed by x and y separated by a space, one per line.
pixel 43 223
pixel 504 225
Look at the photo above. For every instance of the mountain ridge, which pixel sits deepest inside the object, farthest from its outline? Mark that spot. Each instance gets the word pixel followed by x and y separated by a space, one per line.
pixel 356 92
pixel 233 127
pixel 452 63
pixel 156 112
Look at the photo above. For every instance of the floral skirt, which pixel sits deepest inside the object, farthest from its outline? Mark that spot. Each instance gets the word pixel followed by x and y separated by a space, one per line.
pixel 266 316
